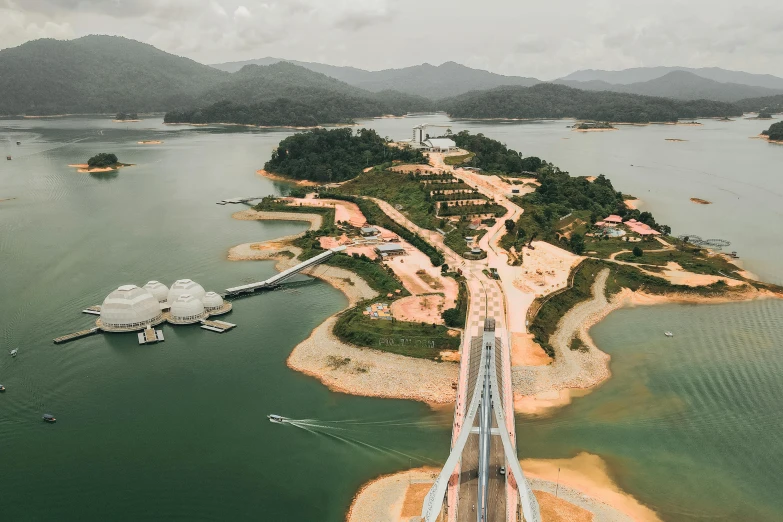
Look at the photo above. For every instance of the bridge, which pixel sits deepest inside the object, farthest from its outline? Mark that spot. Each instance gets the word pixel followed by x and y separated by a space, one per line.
pixel 282 276
pixel 482 469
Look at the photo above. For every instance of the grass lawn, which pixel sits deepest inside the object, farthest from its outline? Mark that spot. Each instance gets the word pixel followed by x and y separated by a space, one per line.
pixel 692 260
pixel 424 341
pixel 456 160
pixel 397 189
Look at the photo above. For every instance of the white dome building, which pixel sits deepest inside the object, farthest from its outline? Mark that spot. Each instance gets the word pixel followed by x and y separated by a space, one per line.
pixel 187 309
pixel 185 286
pixel 215 305
pixel 212 301
pixel 159 291
pixel 129 308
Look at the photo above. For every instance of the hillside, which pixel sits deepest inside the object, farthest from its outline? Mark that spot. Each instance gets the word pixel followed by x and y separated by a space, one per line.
pixel 559 101
pixel 645 74
pixel 97 74
pixel 679 85
pixel 287 94
pixel 429 81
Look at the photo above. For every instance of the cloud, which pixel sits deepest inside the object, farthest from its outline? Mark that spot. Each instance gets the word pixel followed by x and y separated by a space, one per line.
pixel 543 39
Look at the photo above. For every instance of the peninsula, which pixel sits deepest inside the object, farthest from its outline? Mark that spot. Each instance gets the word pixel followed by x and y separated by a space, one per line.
pixel 429 241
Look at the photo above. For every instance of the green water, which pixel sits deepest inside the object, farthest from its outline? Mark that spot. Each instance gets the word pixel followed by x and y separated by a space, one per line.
pixel 689 425
pixel 176 430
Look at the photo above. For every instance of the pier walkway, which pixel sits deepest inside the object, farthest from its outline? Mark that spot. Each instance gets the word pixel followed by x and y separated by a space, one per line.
pixel 282 276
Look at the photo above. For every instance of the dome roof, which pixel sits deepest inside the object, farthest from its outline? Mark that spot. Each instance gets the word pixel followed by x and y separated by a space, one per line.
pixel 185 286
pixel 212 300
pixel 187 308
pixel 129 307
pixel 157 289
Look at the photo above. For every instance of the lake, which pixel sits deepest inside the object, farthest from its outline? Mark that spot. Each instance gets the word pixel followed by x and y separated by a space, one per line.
pixel 179 429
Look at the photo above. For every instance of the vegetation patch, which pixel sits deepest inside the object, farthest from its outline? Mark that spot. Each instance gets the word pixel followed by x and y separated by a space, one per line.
pixel 335 155
pixel 421 340
pixel 458 160
pixel 104 160
pixel 775 132
pixel 492 156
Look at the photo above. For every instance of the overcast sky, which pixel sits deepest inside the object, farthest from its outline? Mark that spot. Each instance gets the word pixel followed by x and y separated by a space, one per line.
pixel 546 39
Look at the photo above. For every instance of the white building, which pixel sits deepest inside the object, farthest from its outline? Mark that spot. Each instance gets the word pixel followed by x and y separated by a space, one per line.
pixel 160 292
pixel 185 286
pixel 129 308
pixel 187 309
pixel 439 145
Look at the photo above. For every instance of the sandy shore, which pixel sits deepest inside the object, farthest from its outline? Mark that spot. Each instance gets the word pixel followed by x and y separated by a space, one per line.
pixel 277 177
pixel 700 201
pixel 766 138
pixel 584 493
pixel 150 142
pixel 584 482
pixel 84 168
pixel 125 121
pixel 315 220
pixel 593 130
pixel 633 203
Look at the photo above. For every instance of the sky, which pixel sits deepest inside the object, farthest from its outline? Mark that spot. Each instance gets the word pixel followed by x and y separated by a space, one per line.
pixel 543 39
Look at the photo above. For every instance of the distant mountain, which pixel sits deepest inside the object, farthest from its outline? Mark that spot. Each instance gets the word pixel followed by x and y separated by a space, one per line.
pixel 558 101
pixel 428 81
pixel 680 85
pixel 645 74
pixel 97 74
pixel 287 94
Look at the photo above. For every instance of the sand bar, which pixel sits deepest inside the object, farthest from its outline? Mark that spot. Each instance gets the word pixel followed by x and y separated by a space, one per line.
pixel 278 177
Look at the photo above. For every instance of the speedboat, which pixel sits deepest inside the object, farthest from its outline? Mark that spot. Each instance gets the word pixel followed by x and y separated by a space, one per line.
pixel 668 334
pixel 14 352
pixel 49 418
pixel 2 388
pixel 276 418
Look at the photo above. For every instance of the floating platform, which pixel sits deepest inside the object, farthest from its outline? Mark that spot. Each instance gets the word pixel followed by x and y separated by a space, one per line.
pixel 92 310
pixel 217 326
pixel 76 335
pixel 236 201
pixel 150 336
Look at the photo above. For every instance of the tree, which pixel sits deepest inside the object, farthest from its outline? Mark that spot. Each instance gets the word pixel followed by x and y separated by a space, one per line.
pixel 444 268
pixel 577 243
pixel 637 251
pixel 453 318
pixel 510 225
pixel 102 160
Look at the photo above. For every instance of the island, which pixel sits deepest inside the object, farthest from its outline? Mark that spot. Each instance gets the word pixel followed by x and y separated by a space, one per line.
pixel 126 117
pixel 587 126
pixel 102 162
pixel 775 133
pixel 558 252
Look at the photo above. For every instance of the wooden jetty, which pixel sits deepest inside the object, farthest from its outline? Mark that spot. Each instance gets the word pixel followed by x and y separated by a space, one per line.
pixel 236 201
pixel 92 310
pixel 76 335
pixel 150 335
pixel 217 326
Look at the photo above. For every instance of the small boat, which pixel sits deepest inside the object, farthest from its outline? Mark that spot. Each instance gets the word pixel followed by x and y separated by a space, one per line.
pixel 18 142
pixel 668 334
pixel 8 158
pixel 14 352
pixel 2 388
pixel 49 418
pixel 276 418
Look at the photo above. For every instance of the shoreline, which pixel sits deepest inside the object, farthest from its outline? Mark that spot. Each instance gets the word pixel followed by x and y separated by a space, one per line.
pixel 767 139
pixel 540 390
pixel 83 168
pixel 278 177
pixel 339 366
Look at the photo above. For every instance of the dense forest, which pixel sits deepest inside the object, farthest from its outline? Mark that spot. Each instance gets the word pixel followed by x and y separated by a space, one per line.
pixel 335 155
pixel 280 112
pixel 102 160
pixel 493 156
pixel 775 132
pixel 558 101
pixel 769 103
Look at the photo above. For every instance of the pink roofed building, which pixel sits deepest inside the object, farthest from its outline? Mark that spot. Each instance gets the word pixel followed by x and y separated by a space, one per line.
pixel 614 218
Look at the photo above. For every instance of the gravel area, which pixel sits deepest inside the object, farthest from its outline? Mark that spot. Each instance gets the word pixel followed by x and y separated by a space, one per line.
pixel 602 512
pixel 572 368
pixel 382 499
pixel 363 371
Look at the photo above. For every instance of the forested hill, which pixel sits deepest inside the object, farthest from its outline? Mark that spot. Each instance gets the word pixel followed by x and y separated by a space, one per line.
pixel 775 132
pixel 93 74
pixel 335 155
pixel 558 101
pixel 286 94
pixel 769 103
